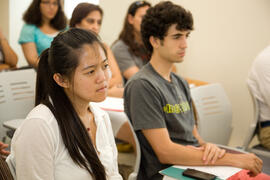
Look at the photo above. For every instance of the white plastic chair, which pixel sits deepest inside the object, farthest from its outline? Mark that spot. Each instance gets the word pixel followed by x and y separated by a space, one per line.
pixel 134 174
pixel 257 149
pixel 214 113
pixel 17 95
pixel 115 108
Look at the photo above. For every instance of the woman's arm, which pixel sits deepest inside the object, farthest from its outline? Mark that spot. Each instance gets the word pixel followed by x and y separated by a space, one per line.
pixel 33 151
pixel 30 53
pixel 9 55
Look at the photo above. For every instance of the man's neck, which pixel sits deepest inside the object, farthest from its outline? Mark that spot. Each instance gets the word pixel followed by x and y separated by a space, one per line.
pixel 162 66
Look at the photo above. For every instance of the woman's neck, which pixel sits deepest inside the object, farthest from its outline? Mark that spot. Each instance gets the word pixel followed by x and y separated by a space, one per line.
pixel 137 37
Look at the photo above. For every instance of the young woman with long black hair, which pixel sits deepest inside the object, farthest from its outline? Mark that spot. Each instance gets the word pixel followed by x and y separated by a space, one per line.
pixel 66 136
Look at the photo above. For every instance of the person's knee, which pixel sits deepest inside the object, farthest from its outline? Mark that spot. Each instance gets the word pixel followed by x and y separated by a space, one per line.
pixel 265 137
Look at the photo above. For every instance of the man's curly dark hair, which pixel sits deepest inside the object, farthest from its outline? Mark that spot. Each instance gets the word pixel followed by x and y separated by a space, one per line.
pixel 159 18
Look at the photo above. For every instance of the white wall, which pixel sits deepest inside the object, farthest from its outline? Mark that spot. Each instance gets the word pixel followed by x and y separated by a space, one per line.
pixel 16 10
pixel 228 35
pixel 4 17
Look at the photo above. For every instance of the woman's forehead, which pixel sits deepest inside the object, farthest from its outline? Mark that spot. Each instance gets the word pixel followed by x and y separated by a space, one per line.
pixel 91 55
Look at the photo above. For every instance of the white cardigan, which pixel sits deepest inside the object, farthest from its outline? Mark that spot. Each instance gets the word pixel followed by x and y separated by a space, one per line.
pixel 38 151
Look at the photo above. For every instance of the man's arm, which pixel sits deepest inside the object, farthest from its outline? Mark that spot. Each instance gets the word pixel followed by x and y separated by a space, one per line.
pixel 211 151
pixel 169 152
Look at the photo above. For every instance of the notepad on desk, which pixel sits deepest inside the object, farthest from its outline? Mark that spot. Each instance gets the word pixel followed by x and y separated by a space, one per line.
pixel 112 104
pixel 222 172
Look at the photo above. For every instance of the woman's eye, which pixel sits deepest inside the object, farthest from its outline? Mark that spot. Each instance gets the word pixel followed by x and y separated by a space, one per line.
pixel 91 72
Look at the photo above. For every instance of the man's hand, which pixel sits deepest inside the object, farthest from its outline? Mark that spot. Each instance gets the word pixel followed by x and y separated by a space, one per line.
pixel 2 147
pixel 211 153
pixel 250 162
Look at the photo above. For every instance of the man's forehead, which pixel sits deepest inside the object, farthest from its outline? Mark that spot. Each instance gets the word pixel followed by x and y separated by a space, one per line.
pixel 173 30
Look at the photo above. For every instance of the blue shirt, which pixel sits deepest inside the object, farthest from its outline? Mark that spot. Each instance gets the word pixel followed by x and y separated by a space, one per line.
pixel 31 33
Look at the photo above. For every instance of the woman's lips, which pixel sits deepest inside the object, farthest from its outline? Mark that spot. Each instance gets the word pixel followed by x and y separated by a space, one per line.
pixel 102 89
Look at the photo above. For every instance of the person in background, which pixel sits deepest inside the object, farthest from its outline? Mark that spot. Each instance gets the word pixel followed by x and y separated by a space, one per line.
pixel 66 136
pixel 129 49
pixel 7 56
pixel 259 85
pixel 159 105
pixel 44 19
pixel 89 16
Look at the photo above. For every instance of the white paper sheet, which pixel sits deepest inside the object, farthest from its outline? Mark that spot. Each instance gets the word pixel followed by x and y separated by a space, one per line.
pixel 112 104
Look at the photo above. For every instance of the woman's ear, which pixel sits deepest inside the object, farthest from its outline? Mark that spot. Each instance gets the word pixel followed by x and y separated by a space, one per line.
pixel 130 19
pixel 60 80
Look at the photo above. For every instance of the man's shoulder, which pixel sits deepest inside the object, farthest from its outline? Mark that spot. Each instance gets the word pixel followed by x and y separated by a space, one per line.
pixel 179 79
pixel 144 74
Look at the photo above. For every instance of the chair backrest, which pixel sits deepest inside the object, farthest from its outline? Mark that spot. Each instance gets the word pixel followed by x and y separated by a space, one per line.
pixel 17 95
pixel 214 113
pixel 134 174
pixel 5 173
pixel 254 122
pixel 257 149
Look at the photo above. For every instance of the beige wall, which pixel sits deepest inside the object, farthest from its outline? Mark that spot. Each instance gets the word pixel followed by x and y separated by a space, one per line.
pixel 228 35
pixel 4 18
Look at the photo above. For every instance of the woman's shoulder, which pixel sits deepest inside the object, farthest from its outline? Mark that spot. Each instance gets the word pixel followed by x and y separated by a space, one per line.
pixel 41 112
pixel 119 44
pixel 29 27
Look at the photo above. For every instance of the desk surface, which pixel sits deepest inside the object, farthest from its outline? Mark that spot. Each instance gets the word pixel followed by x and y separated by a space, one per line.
pixel 13 124
pixel 4 66
pixel 196 82
pixel 112 104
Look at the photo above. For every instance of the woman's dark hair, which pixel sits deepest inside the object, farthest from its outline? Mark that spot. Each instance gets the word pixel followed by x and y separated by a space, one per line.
pixel 81 11
pixel 33 16
pixel 159 18
pixel 63 58
pixel 127 34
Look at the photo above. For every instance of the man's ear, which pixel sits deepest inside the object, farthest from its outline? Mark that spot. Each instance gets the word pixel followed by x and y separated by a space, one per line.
pixel 155 42
pixel 60 80
pixel 130 19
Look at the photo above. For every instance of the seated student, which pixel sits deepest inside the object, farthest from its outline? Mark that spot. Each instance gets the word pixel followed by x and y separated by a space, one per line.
pixel 159 104
pixel 259 83
pixel 129 49
pixel 2 149
pixel 44 20
pixel 65 137
pixel 89 16
pixel 7 55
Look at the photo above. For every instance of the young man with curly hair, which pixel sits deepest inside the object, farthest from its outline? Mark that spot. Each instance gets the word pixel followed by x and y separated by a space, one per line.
pixel 159 105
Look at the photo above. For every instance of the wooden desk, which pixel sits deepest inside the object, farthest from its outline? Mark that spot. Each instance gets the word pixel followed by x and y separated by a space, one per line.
pixel 4 67
pixel 13 124
pixel 196 82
